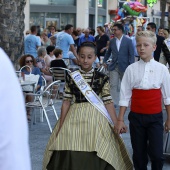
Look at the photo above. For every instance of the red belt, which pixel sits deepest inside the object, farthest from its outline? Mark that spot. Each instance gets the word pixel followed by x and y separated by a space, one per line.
pixel 146 101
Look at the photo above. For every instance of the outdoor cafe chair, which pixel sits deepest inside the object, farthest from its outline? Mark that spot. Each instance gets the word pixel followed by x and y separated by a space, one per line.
pixel 59 73
pixel 45 103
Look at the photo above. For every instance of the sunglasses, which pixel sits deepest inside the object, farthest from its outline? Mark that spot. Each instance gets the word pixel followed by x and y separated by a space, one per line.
pixel 29 61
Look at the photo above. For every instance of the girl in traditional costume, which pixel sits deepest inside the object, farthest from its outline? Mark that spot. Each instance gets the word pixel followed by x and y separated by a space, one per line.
pixel 83 138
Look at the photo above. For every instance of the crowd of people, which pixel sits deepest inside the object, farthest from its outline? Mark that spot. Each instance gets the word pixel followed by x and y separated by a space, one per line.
pixel 87 135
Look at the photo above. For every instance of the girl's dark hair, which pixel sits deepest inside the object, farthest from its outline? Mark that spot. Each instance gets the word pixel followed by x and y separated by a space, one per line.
pixel 89 44
pixel 23 58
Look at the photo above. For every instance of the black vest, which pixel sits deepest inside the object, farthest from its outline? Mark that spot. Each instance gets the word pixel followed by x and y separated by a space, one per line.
pixel 97 82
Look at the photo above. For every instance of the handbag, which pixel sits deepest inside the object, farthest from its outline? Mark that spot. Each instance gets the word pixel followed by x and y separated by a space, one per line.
pixel 30 77
pixel 166 142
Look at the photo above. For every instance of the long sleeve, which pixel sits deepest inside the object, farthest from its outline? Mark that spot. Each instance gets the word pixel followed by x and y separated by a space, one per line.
pixel 125 90
pixel 165 87
pixel 105 94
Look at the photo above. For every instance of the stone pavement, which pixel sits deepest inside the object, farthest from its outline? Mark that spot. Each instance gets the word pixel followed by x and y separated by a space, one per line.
pixel 40 133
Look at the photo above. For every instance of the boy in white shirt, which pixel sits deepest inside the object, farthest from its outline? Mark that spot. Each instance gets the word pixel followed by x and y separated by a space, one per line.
pixel 145 88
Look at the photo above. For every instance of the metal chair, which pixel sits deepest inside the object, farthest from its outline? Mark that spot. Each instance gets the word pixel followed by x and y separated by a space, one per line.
pixel 59 73
pixel 45 103
pixel 43 86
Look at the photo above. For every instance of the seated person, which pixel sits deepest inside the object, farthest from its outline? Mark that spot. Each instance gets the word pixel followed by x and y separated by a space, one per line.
pixel 50 56
pixel 30 61
pixel 42 65
pixel 58 62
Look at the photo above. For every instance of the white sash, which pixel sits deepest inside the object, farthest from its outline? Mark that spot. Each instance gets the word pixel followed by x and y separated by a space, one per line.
pixel 90 95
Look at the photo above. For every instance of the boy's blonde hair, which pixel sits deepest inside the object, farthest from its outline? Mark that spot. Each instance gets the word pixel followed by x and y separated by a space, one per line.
pixel 147 34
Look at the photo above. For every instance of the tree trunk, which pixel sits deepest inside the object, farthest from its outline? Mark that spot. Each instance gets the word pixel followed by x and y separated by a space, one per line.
pixel 12 27
pixel 162 8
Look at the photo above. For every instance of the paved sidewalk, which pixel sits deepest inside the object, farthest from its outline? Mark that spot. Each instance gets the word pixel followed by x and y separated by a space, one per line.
pixel 40 133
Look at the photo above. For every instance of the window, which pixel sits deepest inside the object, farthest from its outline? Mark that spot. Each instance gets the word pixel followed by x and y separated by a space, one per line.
pixel 63 2
pixel 67 19
pixel 100 3
pixel 40 2
pixel 101 20
pixel 37 19
pixel 92 3
pixel 52 15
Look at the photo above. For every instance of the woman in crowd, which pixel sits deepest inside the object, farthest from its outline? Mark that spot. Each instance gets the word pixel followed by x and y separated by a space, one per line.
pixel 50 55
pixel 45 40
pixel 42 65
pixel 29 60
pixel 52 31
pixel 83 138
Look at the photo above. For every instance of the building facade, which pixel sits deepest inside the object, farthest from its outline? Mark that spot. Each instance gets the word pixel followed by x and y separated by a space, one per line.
pixel 80 13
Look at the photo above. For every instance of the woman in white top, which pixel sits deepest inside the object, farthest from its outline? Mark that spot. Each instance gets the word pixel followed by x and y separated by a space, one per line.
pixel 50 55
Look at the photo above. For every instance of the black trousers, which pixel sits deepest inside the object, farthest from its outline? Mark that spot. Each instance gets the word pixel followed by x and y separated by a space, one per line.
pixel 146 131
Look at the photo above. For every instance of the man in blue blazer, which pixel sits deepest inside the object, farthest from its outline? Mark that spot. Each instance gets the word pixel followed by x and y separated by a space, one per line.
pixel 122 54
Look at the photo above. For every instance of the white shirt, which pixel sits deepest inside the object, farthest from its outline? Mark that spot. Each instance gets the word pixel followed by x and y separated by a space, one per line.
pixel 118 42
pixel 145 75
pixel 14 148
pixel 48 59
